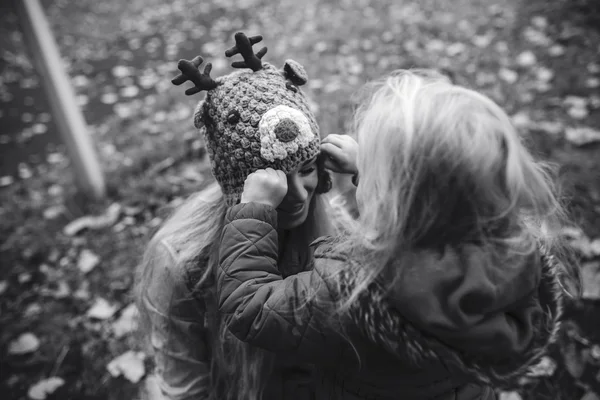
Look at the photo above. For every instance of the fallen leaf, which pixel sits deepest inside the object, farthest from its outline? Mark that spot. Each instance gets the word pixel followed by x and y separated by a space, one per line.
pixel 62 291
pixel 556 50
pixel 25 171
pixel 53 212
pixel 27 117
pixel 509 396
pixel 590 396
pixel 94 222
pixel 154 222
pixel 24 344
pixel 536 37
pixel 482 41
pixel 572 232
pixel 578 112
pixel 55 190
pixel 161 166
pixel 595 352
pixel 552 128
pixel 82 100
pixel 127 321
pixel 12 380
pixel 101 309
pixel 573 360
pixel 83 292
pixel 56 158
pixel 191 173
pixel 582 136
pixel 123 110
pixel 121 71
pixel 526 59
pixel 590 276
pixel 545 367
pixel 45 387
pixel 183 113
pixel 544 74
pixel 109 98
pixel 6 180
pixel 24 277
pixel 455 49
pixel 129 364
pixel 120 227
pixel 539 22
pixel 508 75
pixel 521 120
pixel 80 81
pixel 32 310
pixel 87 261
pixel 575 101
pixel 130 91
pixel 583 246
pixel 133 211
pixel 592 82
pixel 593 68
pixel 595 247
pixel 39 129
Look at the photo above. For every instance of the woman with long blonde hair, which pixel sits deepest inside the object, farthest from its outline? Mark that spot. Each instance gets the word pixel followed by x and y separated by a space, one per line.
pixel 449 284
pixel 251 119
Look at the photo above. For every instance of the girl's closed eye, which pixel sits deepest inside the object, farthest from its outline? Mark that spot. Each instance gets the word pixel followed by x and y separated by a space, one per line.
pixel 308 170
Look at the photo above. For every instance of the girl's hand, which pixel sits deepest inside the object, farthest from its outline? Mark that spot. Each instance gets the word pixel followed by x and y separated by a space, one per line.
pixel 341 152
pixel 265 186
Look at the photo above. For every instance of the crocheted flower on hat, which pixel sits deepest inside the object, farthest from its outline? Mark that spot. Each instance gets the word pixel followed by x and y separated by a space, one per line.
pixel 283 130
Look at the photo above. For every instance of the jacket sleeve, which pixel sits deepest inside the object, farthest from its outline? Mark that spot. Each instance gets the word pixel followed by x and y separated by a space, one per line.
pixel 177 331
pixel 290 315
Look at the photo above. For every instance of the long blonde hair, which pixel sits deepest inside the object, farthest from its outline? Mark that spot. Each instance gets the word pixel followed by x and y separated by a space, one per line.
pixel 441 165
pixel 238 371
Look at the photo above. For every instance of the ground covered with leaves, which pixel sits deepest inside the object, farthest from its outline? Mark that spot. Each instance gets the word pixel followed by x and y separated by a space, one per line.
pixel 67 264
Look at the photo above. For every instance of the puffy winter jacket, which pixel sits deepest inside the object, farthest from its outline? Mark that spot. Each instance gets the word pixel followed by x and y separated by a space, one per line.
pixel 177 308
pixel 454 325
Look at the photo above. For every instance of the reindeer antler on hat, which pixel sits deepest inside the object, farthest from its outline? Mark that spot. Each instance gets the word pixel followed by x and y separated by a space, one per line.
pixel 243 46
pixel 253 118
pixel 190 72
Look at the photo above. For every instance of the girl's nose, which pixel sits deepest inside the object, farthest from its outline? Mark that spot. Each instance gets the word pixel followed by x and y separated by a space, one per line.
pixel 296 188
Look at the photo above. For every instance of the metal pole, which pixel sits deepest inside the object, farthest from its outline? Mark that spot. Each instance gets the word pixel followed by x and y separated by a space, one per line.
pixel 69 119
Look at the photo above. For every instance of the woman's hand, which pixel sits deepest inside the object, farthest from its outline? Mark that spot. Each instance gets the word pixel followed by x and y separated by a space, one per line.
pixel 341 153
pixel 265 186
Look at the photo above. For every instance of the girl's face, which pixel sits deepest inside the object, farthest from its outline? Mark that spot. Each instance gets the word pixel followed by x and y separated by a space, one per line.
pixel 302 182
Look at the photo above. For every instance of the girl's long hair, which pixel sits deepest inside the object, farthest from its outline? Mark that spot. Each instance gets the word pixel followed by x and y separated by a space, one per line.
pixel 238 371
pixel 443 165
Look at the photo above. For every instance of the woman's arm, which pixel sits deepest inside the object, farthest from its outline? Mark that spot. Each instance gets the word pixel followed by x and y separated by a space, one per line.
pixel 177 332
pixel 292 315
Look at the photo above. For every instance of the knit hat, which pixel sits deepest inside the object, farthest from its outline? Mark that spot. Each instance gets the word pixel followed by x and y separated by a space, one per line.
pixel 252 119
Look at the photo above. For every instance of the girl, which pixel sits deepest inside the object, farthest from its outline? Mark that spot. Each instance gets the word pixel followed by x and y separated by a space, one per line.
pixel 251 119
pixel 443 288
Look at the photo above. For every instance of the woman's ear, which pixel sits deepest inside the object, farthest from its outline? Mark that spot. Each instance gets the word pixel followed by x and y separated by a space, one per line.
pixel 294 72
pixel 324 183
